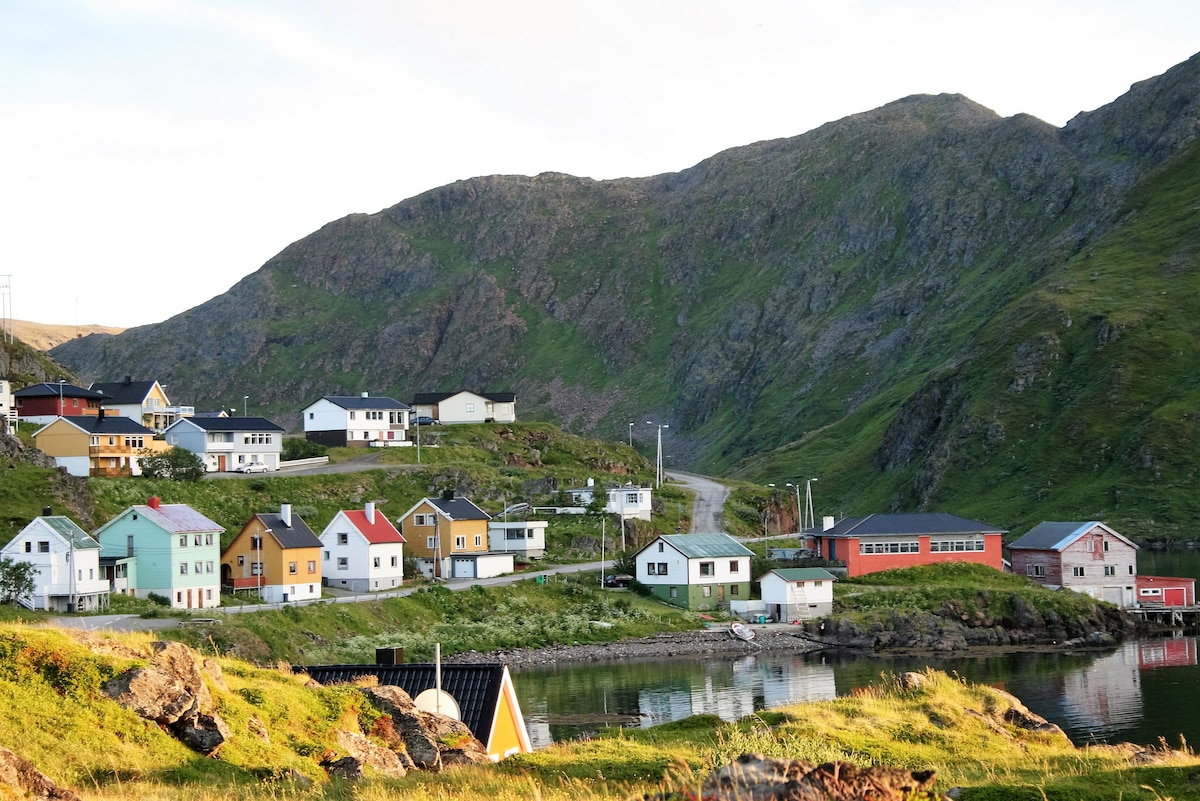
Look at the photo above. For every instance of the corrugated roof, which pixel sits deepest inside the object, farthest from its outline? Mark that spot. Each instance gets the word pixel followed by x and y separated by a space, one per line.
pixel 381 531
pixel 297 535
pixel 700 546
pixel 458 509
pixel 65 527
pixel 359 402
pixel 908 525
pixel 476 688
pixel 803 574
pixel 1051 536
pixel 178 518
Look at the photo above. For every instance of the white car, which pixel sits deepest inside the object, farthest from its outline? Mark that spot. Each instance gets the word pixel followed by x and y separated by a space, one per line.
pixel 252 467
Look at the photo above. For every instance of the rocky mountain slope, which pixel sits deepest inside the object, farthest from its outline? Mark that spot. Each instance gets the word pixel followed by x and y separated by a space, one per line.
pixel 926 305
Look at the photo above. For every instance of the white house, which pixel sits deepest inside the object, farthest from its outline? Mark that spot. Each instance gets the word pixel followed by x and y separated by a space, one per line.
pixel 467 407
pixel 8 404
pixel 228 443
pixel 519 537
pixel 356 420
pixel 695 571
pixel 799 593
pixel 67 561
pixel 362 551
pixel 627 501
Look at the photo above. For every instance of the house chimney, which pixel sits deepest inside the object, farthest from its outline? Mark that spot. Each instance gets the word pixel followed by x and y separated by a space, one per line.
pixel 827 522
pixel 448 495
pixel 591 482
pixel 153 502
pixel 285 514
pixel 369 509
pixel 128 380
pixel 364 395
pixel 100 414
pixel 47 511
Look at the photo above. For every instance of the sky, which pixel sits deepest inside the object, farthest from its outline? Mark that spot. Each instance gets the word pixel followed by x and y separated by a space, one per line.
pixel 155 152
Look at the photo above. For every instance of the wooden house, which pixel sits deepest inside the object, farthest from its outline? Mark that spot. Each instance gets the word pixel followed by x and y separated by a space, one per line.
pixel 799 593
pixel 276 556
pixel 361 551
pixel 448 536
pixel 1088 557
pixel 66 563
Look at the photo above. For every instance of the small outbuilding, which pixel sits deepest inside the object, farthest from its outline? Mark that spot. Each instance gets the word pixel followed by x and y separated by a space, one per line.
pixel 1166 591
pixel 799 593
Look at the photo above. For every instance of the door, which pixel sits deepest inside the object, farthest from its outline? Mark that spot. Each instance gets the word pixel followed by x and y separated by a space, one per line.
pixel 189 599
pixel 1173 596
pixel 221 463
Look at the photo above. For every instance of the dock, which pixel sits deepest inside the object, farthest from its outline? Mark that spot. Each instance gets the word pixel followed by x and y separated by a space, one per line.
pixel 1170 617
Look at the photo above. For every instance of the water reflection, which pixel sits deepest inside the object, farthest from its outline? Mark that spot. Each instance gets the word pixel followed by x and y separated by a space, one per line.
pixel 1139 692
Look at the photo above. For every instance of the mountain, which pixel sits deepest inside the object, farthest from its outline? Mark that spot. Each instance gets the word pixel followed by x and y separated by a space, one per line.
pixel 45 336
pixel 926 305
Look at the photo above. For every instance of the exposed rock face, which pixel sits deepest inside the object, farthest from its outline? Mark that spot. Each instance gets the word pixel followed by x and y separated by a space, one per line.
pixel 431 741
pixel 755 777
pixel 171 692
pixel 381 760
pixel 20 779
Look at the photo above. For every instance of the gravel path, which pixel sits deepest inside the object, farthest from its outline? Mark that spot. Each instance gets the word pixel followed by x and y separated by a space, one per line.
pixel 767 637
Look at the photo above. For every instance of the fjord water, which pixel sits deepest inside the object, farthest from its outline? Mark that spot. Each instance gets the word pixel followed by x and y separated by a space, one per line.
pixel 1142 691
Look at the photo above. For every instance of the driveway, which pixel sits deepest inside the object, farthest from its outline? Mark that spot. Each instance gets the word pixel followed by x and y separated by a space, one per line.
pixel 709 505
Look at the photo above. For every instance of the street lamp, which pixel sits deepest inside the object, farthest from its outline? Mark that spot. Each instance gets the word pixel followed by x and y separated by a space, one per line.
pixel 245 406
pixel 631 435
pixel 812 521
pixel 61 381
pixel 658 467
pixel 799 508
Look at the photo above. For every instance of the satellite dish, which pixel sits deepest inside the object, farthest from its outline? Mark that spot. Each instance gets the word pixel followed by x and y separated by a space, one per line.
pixel 438 702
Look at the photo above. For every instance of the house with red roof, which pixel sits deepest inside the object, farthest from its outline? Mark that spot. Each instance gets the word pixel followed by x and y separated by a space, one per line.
pixel 362 551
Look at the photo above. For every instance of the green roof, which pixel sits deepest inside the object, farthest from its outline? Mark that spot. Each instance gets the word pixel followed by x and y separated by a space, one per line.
pixel 66 528
pixel 702 546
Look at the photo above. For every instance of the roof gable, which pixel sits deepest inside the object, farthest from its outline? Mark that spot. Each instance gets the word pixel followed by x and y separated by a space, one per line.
pixel 1058 536
pixel 801 574
pixel 125 392
pixel 704 546
pixel 297 535
pixel 64 528
pixel 64 390
pixel 380 532
pixel 359 402
pixel 228 424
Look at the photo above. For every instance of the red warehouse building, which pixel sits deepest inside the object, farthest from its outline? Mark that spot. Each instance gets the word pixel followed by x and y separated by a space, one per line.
pixel 884 542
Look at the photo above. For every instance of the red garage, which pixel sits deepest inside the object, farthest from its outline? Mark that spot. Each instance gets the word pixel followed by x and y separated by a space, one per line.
pixel 1166 591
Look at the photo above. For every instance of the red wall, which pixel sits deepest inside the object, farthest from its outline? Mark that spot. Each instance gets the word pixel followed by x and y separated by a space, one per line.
pixel 858 564
pixel 72 407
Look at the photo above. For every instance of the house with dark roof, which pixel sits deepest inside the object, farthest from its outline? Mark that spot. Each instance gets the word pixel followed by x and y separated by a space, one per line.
pixel 448 536
pixel 66 563
pixel 143 401
pixel 1089 557
pixel 229 444
pixel 357 421
pixel 797 593
pixel 695 571
pixel 362 551
pixel 465 406
pixel 168 549
pixel 104 445
pixel 276 556
pixel 484 695
pixel 885 542
pixel 43 402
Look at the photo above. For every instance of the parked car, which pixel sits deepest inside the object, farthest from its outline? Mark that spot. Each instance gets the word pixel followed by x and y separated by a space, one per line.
pixel 618 580
pixel 426 421
pixel 251 467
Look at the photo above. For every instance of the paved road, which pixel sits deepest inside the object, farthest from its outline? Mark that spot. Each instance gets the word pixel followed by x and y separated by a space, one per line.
pixel 709 504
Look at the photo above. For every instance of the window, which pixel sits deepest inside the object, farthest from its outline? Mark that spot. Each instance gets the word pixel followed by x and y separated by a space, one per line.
pixel 674 592
pixel 706 590
pixel 422 520
pixel 1110 570
pixel 326 556
pixel 208 595
pixel 470 408
pixel 256 568
pixel 351 415
pixel 198 568
pixel 183 540
pixel 1077 572
pixel 631 497
pixel 395 561
pixel 662 568
pixel 343 563
pixel 1106 545
pixel 291 568
pixel 256 543
pixel 889 547
pixel 241 560
pixel 951 546
pixel 660 547
pixel 198 540
pixel 1091 545
pixel 28 546
pixel 375 562
pixel 460 543
pixel 733 589
pixel 431 543
pixel 312 566
pixel 208 539
pixel 478 540
pixel 1036 571
pixel 208 567
pixel 343 538
pixel 706 569
pixel 734 566
pixel 312 415
pixel 183 568
pixel 651 569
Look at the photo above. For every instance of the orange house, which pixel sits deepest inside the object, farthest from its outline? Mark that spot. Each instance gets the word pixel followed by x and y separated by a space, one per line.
pixel 484 695
pixel 448 536
pixel 276 555
pixel 884 542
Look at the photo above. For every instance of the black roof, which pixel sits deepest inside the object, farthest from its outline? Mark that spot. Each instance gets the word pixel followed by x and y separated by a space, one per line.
pixel 125 391
pixel 297 535
pixel 424 398
pixel 476 688
pixel 908 525
pixel 359 402
pixel 459 509
pixel 232 423
pixel 48 390
pixel 108 424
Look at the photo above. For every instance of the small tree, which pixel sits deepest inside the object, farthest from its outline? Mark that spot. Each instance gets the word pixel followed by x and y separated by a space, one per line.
pixel 177 464
pixel 16 579
pixel 302 448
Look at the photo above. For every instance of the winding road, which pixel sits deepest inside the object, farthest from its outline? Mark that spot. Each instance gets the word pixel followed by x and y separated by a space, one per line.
pixel 709 504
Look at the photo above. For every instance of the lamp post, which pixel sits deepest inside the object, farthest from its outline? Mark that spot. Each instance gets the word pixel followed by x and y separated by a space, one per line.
pixel 799 508
pixel 245 406
pixel 812 521
pixel 631 435
pixel 658 466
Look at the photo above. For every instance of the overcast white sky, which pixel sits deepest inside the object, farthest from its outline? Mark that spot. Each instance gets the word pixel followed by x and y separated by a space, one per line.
pixel 154 152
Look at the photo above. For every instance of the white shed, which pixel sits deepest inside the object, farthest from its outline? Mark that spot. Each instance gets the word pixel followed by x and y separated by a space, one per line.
pixel 799 593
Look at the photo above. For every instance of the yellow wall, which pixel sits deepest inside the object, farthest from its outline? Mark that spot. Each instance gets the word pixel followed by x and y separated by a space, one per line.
pixel 415 536
pixel 60 438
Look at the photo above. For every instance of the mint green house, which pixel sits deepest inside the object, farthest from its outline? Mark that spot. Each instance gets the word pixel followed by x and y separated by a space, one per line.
pixel 695 571
pixel 168 549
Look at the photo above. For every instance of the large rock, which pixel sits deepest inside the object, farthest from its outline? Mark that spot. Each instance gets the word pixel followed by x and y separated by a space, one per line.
pixel 171 692
pixel 430 740
pixel 23 780
pixel 382 760
pixel 755 777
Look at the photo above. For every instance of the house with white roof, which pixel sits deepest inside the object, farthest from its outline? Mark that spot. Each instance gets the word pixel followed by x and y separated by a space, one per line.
pixel 67 564
pixel 338 421
pixel 695 571
pixel 361 551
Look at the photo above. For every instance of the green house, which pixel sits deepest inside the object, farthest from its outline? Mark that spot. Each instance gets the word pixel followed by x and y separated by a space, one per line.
pixel 696 571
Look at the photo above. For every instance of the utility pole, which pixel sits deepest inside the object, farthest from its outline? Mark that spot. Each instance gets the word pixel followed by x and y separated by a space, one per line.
pixel 658 467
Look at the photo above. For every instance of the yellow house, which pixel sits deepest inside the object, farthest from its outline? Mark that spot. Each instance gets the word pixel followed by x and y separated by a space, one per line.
pixel 104 445
pixel 448 536
pixel 144 401
pixel 276 555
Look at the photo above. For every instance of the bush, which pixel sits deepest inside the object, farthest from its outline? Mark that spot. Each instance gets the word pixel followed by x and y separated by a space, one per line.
pixel 301 448
pixel 176 464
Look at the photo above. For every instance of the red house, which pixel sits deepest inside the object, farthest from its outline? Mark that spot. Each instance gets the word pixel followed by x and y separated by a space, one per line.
pixel 45 402
pixel 883 542
pixel 1166 591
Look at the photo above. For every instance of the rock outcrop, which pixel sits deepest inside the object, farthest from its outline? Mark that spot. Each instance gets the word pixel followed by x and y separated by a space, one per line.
pixel 431 741
pixel 171 691
pixel 25 781
pixel 755 777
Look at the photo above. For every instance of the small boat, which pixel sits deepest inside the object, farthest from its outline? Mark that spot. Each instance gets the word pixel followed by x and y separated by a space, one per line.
pixel 741 631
